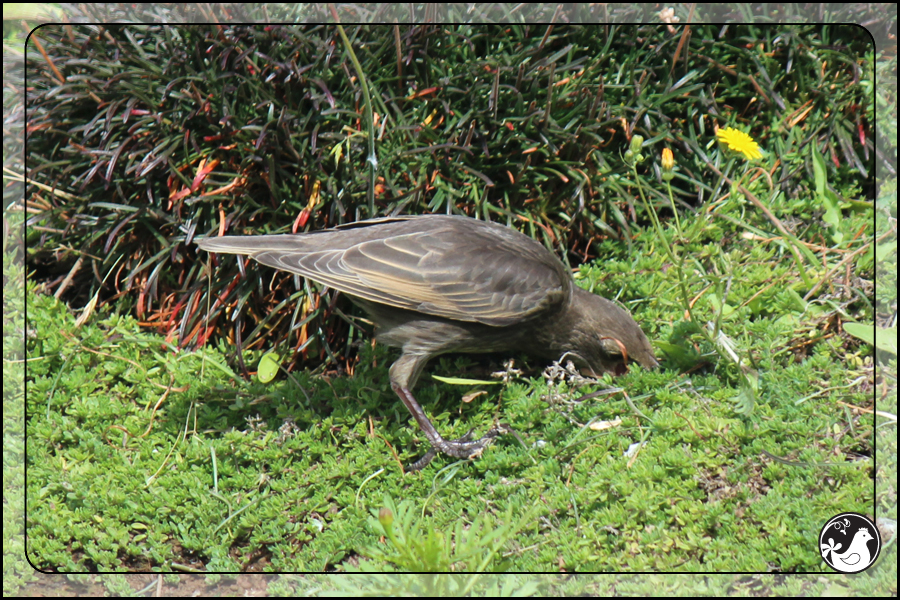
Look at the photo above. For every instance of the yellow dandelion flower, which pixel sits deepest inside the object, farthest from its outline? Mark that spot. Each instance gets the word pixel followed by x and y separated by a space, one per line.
pixel 739 142
pixel 668 159
pixel 668 164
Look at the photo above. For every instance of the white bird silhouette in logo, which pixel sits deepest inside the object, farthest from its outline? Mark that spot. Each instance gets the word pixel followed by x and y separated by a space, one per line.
pixel 856 556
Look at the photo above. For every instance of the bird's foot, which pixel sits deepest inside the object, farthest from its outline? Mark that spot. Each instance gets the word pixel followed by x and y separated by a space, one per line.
pixel 462 447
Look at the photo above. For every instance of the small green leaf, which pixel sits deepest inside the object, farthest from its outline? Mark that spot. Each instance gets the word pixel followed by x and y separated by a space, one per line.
pixel 717 306
pixel 828 198
pixel 798 302
pixel 885 339
pixel 819 171
pixel 461 381
pixel 863 331
pixel 787 320
pixel 859 205
pixel 832 215
pixel 268 367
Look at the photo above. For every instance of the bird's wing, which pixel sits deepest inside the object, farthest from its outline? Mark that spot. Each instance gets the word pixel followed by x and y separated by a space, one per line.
pixel 455 268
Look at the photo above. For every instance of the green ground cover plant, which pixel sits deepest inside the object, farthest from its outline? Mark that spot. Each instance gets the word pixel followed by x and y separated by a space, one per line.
pixel 123 468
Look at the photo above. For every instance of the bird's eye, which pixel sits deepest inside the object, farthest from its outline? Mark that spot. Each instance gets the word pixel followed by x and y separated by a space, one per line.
pixel 611 346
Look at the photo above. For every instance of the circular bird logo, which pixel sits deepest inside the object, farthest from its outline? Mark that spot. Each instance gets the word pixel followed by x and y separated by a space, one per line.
pixel 849 543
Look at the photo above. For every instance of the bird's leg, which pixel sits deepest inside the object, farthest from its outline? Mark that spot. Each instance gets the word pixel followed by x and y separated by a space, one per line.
pixel 459 448
pixel 404 373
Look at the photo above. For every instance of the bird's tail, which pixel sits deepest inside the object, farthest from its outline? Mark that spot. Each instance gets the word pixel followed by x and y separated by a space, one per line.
pixel 249 244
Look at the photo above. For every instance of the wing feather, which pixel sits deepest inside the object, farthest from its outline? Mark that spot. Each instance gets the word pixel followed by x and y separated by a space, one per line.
pixel 452 267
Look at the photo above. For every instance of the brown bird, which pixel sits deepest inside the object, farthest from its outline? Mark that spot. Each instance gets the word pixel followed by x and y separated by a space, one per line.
pixel 437 284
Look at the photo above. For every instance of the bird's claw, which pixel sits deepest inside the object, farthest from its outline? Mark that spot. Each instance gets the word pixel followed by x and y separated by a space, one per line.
pixel 460 448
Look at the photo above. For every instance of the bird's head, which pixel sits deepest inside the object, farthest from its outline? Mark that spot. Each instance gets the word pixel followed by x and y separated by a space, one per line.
pixel 605 338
